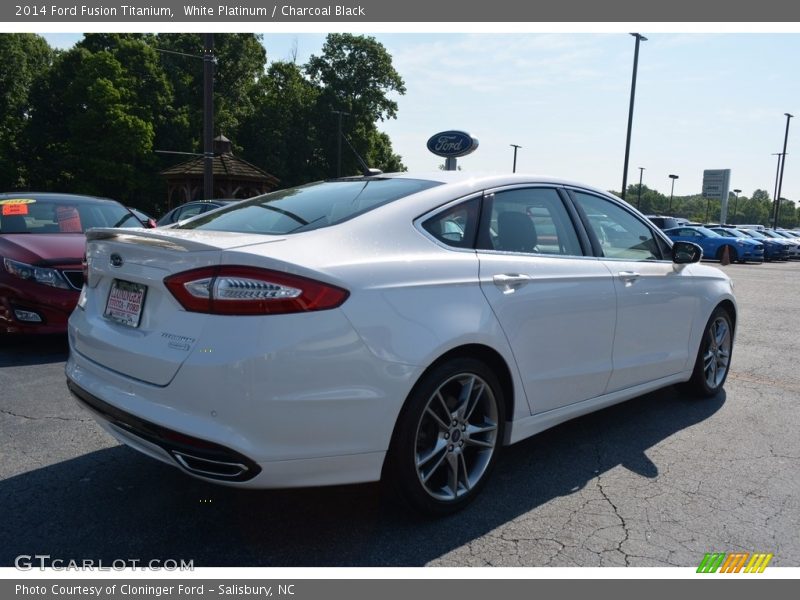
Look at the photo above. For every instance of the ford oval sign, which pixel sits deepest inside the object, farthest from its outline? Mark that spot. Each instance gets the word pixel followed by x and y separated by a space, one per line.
pixel 452 144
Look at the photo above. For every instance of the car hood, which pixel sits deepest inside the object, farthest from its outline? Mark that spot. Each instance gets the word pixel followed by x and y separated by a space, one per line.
pixel 53 248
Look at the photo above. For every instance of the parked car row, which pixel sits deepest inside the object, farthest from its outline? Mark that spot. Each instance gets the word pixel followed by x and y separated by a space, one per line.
pixel 739 243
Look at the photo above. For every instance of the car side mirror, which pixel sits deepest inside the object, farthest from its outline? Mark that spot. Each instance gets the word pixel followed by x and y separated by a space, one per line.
pixel 686 252
pixel 150 224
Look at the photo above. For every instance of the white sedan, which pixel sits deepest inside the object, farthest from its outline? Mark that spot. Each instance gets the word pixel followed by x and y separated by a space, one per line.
pixel 394 326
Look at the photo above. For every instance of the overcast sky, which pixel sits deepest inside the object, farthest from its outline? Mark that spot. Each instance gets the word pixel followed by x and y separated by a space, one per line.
pixel 703 101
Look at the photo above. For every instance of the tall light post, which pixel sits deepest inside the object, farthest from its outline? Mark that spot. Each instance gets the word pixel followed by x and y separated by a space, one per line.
pixel 339 141
pixel 735 203
pixel 516 147
pixel 671 192
pixel 639 197
pixel 780 181
pixel 639 38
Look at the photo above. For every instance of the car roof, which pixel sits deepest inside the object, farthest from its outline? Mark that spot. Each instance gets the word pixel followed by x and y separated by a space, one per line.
pixel 485 180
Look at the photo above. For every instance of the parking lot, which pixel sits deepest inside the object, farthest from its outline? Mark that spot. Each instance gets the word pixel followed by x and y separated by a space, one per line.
pixel 657 481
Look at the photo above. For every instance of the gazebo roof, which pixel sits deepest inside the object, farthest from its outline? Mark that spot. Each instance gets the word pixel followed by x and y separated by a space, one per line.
pixel 226 166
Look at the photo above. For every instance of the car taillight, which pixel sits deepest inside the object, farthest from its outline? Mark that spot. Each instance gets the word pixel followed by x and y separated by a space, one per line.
pixel 238 290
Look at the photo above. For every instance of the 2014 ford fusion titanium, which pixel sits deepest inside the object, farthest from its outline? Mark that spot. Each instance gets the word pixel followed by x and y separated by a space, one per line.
pixel 394 326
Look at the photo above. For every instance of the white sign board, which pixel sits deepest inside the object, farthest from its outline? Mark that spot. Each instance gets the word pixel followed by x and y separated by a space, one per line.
pixel 716 186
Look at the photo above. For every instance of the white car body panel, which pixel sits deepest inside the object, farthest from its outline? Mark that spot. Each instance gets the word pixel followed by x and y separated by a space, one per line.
pixel 313 398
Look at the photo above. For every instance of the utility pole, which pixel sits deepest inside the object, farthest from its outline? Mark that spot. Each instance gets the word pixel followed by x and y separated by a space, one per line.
pixel 780 180
pixel 208 116
pixel 639 38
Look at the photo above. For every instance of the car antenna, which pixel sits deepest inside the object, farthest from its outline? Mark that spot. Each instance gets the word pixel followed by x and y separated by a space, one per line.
pixel 366 171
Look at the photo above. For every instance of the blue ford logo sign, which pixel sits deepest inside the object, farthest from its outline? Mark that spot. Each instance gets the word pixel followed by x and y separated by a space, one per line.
pixel 452 144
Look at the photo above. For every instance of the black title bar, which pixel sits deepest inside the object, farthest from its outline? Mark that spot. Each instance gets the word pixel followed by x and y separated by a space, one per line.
pixel 412 11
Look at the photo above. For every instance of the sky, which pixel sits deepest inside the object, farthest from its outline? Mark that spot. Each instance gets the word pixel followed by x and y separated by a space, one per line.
pixel 703 101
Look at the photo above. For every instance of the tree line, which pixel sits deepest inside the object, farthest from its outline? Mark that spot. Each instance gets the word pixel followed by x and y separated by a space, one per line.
pixel 90 119
pixel 758 208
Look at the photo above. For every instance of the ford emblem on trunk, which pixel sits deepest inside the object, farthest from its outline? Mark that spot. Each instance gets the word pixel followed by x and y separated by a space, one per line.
pixel 452 144
pixel 116 260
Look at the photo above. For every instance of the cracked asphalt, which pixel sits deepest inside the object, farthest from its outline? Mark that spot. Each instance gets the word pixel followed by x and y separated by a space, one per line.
pixel 657 481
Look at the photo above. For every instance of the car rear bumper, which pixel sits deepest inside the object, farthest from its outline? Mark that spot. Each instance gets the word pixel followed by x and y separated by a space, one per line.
pixel 253 420
pixel 209 461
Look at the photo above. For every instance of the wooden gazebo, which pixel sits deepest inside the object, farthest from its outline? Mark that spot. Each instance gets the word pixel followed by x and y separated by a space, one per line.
pixel 233 177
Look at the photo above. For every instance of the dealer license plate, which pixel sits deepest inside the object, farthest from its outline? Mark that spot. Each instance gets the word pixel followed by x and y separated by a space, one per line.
pixel 125 301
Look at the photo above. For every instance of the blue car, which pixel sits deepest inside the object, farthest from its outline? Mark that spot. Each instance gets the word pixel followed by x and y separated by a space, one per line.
pixel 736 234
pixel 773 249
pixel 714 244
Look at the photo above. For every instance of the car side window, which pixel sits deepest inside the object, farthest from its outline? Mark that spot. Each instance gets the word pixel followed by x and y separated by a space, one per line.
pixel 188 211
pixel 620 233
pixel 456 226
pixel 528 220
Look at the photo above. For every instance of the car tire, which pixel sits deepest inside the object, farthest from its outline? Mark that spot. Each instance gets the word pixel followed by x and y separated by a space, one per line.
pixel 714 356
pixel 447 437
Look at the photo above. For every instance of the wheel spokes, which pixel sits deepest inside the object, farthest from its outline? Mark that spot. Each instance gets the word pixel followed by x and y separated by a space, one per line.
pixel 457 436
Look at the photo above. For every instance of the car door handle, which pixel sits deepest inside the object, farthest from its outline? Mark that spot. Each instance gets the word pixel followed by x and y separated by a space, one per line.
pixel 629 276
pixel 509 282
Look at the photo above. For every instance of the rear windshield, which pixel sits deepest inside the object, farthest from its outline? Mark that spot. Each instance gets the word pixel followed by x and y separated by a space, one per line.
pixel 61 215
pixel 308 207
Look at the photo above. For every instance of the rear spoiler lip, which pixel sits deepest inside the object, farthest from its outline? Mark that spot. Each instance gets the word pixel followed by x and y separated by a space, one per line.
pixel 186 241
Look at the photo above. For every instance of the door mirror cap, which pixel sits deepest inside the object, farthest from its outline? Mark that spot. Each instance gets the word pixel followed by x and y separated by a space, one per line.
pixel 686 252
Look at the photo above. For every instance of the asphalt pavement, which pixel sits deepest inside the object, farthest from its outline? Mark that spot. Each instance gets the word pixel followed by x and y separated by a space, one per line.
pixel 657 481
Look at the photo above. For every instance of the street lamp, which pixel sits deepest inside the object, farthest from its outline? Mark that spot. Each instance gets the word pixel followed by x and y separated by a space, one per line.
pixel 673 177
pixel 735 202
pixel 516 147
pixel 780 181
pixel 639 38
pixel 639 199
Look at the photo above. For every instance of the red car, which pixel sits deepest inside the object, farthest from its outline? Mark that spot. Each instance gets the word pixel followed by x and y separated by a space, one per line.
pixel 41 253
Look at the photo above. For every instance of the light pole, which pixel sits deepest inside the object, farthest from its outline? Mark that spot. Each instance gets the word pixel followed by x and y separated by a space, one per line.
pixel 516 147
pixel 735 202
pixel 639 198
pixel 639 38
pixel 339 142
pixel 780 181
pixel 673 177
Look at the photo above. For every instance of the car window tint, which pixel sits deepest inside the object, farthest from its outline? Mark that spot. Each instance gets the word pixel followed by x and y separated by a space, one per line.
pixel 456 226
pixel 620 233
pixel 529 220
pixel 310 206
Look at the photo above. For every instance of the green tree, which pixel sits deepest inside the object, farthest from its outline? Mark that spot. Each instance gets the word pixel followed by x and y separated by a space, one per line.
pixel 96 120
pixel 788 214
pixel 355 75
pixel 279 135
pixel 24 58
pixel 240 60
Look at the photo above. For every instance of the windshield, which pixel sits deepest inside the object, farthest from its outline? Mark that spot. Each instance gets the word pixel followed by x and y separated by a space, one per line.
pixel 61 215
pixel 308 207
pixel 754 234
